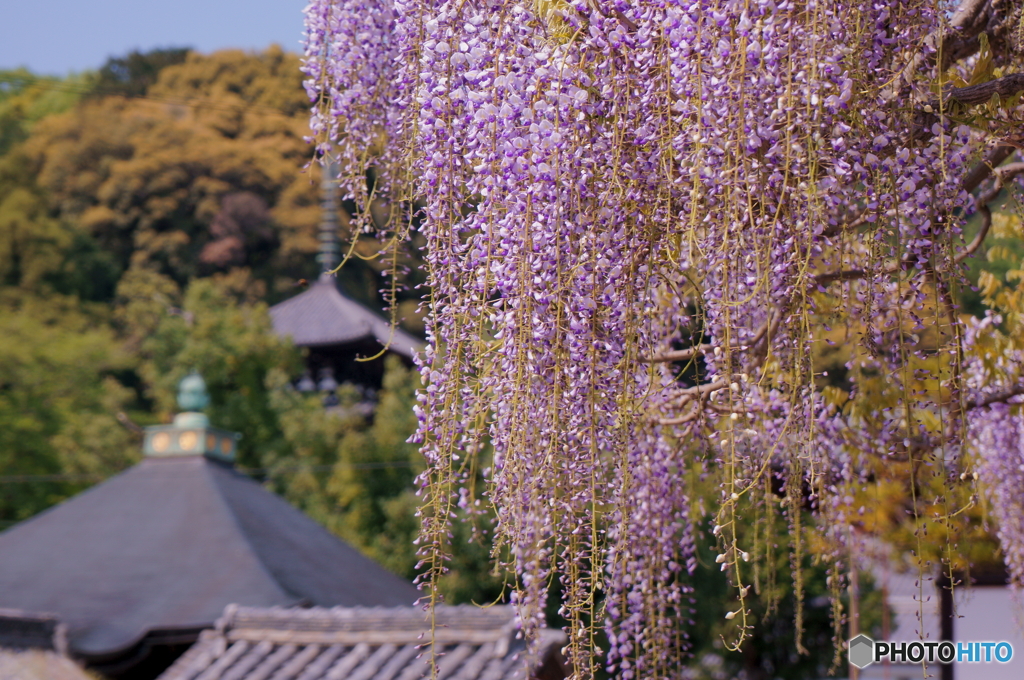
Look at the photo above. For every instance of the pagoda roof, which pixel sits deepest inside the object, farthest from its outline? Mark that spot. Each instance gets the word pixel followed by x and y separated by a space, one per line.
pixel 323 315
pixel 166 545
pixel 369 643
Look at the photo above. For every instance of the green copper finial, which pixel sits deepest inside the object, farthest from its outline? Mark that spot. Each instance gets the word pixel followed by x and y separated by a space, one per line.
pixel 192 394
pixel 190 434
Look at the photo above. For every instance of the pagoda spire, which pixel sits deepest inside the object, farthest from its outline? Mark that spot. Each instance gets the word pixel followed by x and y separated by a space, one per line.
pixel 190 434
pixel 329 256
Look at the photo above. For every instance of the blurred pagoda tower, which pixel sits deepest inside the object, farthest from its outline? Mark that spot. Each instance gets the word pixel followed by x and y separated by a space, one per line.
pixel 137 567
pixel 336 330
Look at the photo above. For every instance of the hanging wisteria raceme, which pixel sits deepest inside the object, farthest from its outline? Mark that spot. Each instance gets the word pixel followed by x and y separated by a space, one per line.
pixel 640 220
pixel 997 432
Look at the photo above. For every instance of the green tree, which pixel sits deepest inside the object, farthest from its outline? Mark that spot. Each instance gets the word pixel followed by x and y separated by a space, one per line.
pixel 202 175
pixel 358 479
pixel 218 327
pixel 31 242
pixel 59 399
pixel 26 98
pixel 346 472
pixel 41 252
pixel 134 73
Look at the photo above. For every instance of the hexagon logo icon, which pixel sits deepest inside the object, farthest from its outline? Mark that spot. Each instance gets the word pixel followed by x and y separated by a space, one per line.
pixel 862 651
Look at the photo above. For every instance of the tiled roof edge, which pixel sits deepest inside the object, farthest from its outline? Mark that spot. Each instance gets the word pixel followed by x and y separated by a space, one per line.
pixel 32 630
pixel 375 625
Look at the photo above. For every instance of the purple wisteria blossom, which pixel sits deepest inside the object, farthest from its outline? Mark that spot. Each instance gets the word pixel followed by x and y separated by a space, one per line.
pixel 599 181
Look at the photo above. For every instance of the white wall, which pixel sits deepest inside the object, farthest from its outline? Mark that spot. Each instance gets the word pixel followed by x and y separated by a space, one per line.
pixel 989 613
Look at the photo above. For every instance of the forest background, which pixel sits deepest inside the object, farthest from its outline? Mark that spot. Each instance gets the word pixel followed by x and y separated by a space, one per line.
pixel 150 212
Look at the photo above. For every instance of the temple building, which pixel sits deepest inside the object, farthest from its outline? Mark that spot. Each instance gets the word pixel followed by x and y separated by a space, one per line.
pixel 336 330
pixel 135 568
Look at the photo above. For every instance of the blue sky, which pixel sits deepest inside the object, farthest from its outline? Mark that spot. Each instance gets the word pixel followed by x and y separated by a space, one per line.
pixel 59 36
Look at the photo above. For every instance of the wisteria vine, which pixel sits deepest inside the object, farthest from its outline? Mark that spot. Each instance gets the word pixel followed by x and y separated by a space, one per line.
pixel 643 222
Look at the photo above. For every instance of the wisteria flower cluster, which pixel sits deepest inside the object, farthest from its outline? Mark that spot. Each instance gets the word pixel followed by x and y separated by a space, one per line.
pixel 641 221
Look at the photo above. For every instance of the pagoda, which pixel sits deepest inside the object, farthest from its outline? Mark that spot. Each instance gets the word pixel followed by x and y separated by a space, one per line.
pixel 136 567
pixel 338 332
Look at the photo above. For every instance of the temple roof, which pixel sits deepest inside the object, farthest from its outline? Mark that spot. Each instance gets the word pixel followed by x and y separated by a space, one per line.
pixel 323 315
pixel 167 545
pixel 471 643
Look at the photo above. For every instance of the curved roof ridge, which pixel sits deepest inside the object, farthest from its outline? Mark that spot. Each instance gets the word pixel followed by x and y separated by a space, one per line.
pixel 303 557
pixel 495 616
pixel 250 550
pixel 408 625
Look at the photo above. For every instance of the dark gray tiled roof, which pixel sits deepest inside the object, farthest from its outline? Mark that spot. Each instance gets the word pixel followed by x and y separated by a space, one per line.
pixel 360 643
pixel 166 545
pixel 323 315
